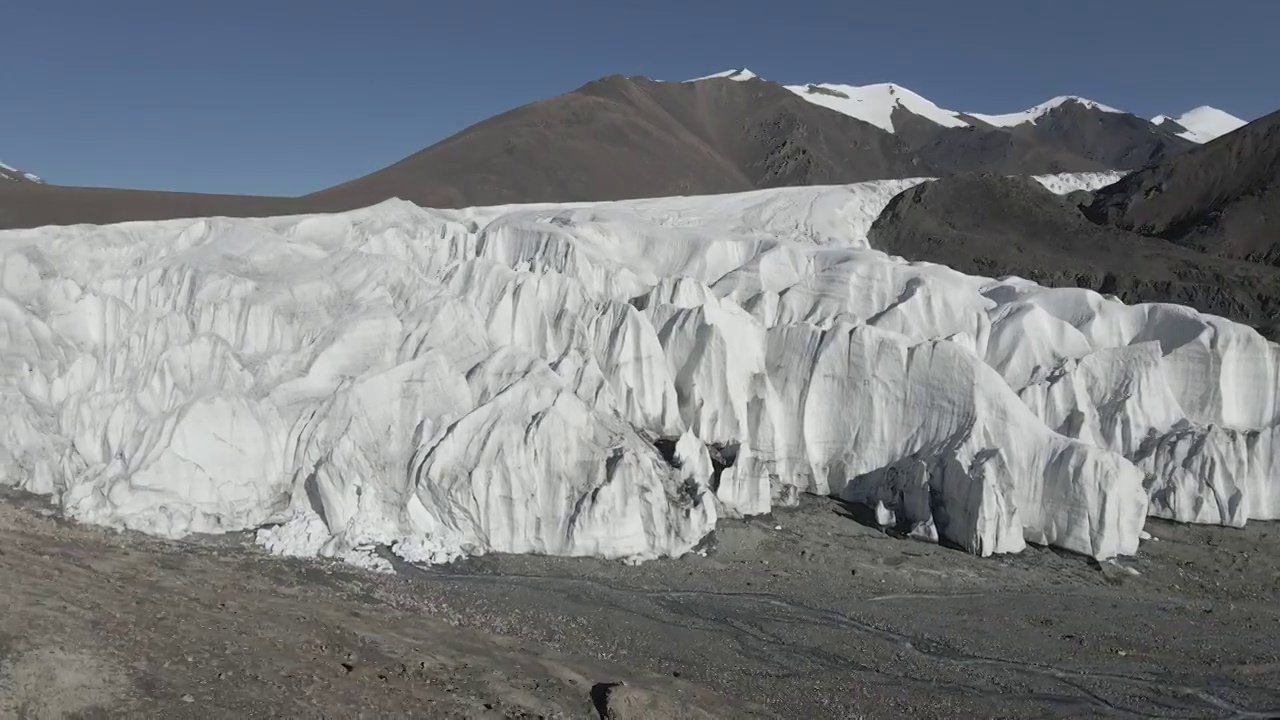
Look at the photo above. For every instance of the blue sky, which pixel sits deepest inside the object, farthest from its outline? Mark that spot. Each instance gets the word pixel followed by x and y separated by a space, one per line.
pixel 290 96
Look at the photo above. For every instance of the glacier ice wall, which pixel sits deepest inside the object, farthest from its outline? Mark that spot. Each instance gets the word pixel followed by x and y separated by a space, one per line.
pixel 606 379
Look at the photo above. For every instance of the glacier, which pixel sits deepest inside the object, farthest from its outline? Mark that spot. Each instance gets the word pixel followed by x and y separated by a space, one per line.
pixel 607 379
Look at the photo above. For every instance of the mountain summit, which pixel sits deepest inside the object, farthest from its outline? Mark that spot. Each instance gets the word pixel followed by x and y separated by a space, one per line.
pixel 1201 124
pixel 737 74
pixel 1032 114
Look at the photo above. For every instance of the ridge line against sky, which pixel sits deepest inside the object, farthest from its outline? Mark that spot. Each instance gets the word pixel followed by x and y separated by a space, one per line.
pixel 288 97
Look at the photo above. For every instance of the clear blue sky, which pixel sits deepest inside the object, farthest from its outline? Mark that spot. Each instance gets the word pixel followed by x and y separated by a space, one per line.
pixel 290 96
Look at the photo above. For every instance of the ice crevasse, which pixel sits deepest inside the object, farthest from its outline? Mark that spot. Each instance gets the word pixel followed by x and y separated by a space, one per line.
pixel 606 379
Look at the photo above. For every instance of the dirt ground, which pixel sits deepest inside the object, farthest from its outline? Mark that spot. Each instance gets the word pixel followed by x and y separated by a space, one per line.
pixel 806 613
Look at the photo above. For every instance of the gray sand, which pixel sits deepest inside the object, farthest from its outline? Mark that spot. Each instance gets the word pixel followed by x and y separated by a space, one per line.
pixel 822 618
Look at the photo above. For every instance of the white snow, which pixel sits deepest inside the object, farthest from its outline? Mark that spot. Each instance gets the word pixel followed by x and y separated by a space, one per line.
pixel 455 382
pixel 1030 115
pixel 8 172
pixel 1070 182
pixel 875 103
pixel 739 74
pixel 1203 123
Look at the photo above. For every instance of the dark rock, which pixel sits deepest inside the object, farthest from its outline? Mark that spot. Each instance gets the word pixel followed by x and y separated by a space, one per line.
pixel 1222 198
pixel 998 226
pixel 619 701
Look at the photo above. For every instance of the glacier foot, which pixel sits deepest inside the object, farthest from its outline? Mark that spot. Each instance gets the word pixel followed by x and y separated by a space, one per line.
pixel 451 382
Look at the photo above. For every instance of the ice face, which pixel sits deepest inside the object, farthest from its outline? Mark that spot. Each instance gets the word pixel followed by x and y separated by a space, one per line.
pixel 606 379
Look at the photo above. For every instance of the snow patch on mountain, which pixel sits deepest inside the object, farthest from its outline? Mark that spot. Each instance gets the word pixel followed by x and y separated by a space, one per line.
pixel 8 172
pixel 875 103
pixel 606 379
pixel 739 74
pixel 1031 115
pixel 1070 182
pixel 1203 124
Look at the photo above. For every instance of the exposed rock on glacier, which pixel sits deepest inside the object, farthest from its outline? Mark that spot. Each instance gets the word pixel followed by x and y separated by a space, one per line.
pixel 605 379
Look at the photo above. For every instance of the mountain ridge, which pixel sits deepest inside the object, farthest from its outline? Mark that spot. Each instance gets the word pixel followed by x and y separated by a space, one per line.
pixel 625 137
pixel 1199 125
pixel 631 137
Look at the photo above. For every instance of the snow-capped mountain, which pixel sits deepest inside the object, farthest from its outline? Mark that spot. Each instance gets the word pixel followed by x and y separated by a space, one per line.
pixel 631 137
pixel 877 103
pixel 8 172
pixel 1201 124
pixel 1032 114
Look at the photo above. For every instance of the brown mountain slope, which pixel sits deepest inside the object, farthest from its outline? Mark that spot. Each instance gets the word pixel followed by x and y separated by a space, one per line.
pixel 1222 198
pixel 24 205
pixel 632 137
pixel 621 137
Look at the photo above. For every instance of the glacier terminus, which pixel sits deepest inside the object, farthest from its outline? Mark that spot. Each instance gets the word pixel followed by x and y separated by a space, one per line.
pixel 607 379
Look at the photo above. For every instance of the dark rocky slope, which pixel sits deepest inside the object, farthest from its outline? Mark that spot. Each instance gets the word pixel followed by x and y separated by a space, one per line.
pixel 998 226
pixel 941 151
pixel 1222 198
pixel 1117 141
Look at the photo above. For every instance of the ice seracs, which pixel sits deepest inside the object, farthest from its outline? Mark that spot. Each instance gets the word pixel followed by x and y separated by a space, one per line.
pixel 1202 124
pixel 606 379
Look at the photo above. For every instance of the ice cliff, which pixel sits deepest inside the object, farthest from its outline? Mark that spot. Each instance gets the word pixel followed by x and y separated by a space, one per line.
pixel 606 379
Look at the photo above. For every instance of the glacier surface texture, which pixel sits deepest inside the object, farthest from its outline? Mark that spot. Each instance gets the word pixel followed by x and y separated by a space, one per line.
pixel 606 379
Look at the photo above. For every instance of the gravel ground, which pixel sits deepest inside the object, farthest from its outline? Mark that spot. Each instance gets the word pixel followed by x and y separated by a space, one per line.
pixel 806 613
